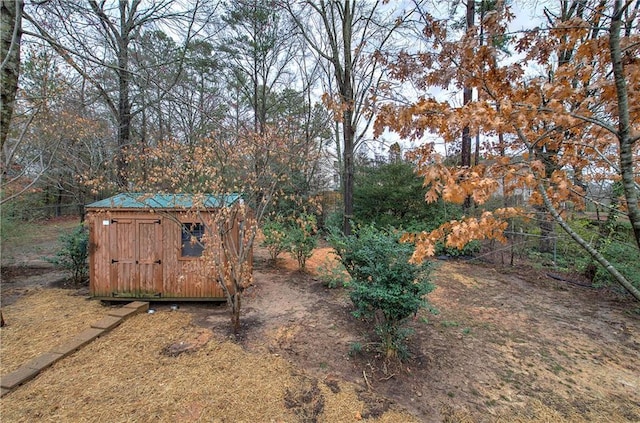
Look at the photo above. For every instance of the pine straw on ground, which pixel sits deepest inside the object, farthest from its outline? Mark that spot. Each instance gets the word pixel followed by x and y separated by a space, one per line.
pixel 136 374
pixel 42 319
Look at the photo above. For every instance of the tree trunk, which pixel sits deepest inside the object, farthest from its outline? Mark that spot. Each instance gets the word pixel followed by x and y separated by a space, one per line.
pixel 10 35
pixel 467 94
pixel 124 102
pixel 465 152
pixel 348 101
pixel 349 168
pixel 124 116
pixel 547 230
pixel 624 122
pixel 235 311
pixel 59 202
pixel 548 157
pixel 467 97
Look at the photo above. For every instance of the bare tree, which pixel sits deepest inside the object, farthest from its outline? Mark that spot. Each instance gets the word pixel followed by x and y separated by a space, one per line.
pixel 347 35
pixel 54 113
pixel 96 39
pixel 259 47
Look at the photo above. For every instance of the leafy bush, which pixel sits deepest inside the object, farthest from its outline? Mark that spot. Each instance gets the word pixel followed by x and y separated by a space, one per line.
pixel 296 235
pixel 74 254
pixel 471 249
pixel 393 195
pixel 275 238
pixel 613 239
pixel 567 257
pixel 333 222
pixel 385 288
pixel 302 238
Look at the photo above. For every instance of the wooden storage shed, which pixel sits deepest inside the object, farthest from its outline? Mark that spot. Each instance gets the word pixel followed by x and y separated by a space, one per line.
pixel 140 246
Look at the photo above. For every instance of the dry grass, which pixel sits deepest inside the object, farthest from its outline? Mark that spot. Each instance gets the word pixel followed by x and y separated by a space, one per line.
pixel 127 375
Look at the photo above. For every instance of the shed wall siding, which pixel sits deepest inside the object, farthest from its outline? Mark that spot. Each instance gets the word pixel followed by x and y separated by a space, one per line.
pixel 131 255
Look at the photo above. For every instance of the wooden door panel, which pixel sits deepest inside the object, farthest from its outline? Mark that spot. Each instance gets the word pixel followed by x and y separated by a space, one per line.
pixel 149 256
pixel 136 252
pixel 123 255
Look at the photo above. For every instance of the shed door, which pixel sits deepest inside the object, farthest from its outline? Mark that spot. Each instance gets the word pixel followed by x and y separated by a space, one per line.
pixel 136 252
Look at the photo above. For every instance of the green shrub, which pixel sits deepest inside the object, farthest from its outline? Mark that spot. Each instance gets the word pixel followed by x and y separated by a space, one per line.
pixel 275 238
pixel 613 239
pixel 333 222
pixel 623 256
pixel 74 254
pixel 469 250
pixel 568 256
pixel 385 287
pixel 393 195
pixel 295 234
pixel 617 245
pixel 302 238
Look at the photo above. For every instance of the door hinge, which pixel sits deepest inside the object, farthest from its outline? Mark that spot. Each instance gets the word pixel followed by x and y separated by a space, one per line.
pixel 157 261
pixel 114 261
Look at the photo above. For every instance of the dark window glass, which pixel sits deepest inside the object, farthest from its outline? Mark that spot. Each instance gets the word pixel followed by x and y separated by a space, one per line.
pixel 191 247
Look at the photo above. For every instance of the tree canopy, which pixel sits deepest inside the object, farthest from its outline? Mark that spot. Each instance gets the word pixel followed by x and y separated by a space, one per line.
pixel 558 118
pixel 279 99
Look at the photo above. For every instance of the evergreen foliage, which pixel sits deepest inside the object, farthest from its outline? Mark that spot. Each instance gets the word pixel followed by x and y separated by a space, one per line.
pixel 386 287
pixel 393 195
pixel 74 254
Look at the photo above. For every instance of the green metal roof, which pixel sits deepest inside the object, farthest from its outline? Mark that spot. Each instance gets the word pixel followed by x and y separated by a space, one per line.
pixel 164 201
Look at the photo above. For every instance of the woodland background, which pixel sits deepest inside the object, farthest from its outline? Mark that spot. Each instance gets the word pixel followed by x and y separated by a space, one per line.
pixel 354 112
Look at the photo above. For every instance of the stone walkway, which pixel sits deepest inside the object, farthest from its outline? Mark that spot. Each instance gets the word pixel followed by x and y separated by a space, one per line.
pixel 28 371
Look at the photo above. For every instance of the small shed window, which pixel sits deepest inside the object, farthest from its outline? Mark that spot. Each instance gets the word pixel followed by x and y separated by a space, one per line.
pixel 192 239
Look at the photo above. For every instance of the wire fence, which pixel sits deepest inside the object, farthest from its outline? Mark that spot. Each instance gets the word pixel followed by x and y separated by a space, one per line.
pixel 521 245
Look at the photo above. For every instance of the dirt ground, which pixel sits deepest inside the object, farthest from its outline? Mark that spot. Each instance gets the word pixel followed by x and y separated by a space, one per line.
pixel 502 344
pixel 24 257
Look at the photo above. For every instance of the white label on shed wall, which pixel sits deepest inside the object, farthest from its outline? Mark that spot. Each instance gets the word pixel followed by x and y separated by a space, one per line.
pixel 105 223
